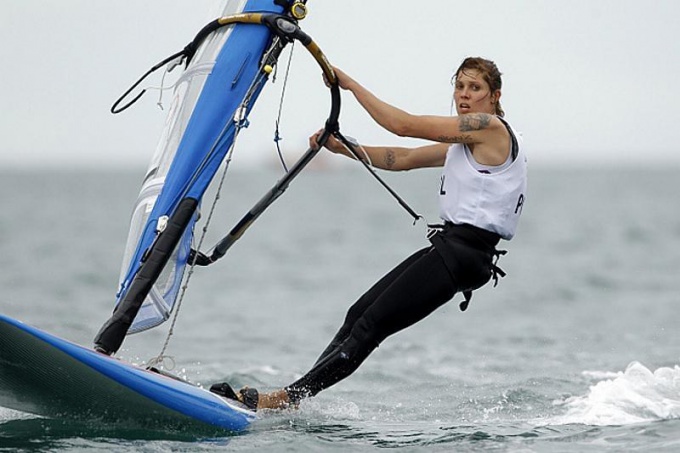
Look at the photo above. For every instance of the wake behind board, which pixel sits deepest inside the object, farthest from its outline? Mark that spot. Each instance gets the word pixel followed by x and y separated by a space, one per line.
pixel 45 375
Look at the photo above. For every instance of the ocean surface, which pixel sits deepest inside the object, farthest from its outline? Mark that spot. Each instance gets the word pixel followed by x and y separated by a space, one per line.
pixel 576 350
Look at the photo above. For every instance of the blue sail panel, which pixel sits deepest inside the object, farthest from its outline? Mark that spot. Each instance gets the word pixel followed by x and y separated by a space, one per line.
pixel 199 131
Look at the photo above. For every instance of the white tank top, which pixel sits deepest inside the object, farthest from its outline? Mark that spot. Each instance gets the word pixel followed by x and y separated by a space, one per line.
pixel 490 198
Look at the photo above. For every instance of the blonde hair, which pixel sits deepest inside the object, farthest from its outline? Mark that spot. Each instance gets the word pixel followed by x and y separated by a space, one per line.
pixel 489 71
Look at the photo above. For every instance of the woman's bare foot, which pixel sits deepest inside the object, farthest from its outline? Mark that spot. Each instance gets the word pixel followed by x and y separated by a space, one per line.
pixel 277 399
pixel 252 399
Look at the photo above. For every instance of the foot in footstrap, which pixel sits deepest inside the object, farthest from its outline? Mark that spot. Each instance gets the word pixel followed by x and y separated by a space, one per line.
pixel 250 397
pixel 246 396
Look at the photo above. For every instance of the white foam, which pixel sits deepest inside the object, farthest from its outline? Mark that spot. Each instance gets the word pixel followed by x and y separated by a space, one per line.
pixel 633 396
pixel 9 414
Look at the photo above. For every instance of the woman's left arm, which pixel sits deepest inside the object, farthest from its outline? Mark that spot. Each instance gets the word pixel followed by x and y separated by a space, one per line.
pixel 472 128
pixel 468 128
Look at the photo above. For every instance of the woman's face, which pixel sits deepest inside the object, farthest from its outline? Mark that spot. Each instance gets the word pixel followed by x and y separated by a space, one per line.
pixel 472 94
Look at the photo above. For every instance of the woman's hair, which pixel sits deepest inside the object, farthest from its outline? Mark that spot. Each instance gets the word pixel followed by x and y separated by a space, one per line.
pixel 489 71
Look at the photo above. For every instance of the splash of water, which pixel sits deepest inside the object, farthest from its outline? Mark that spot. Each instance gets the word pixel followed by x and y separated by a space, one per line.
pixel 635 395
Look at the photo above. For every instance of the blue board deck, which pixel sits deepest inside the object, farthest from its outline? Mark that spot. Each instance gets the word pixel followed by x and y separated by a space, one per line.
pixel 48 376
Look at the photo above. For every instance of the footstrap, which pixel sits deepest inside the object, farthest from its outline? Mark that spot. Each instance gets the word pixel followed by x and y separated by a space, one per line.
pixel 250 397
pixel 224 390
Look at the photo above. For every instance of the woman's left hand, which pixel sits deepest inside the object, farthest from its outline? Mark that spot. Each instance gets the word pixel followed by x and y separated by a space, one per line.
pixel 332 144
pixel 344 81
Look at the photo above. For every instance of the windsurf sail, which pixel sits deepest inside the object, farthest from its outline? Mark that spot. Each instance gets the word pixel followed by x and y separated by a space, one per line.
pixel 227 65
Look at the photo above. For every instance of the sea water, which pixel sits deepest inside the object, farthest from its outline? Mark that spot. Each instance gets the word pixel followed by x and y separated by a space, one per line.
pixel 575 350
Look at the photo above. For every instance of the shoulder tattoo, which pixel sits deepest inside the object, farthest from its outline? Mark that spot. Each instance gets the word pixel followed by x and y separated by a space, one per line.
pixel 474 122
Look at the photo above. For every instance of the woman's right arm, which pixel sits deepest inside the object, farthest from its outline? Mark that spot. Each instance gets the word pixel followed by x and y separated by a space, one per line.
pixel 390 157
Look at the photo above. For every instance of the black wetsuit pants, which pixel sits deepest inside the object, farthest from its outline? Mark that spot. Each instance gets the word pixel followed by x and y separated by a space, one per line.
pixel 407 294
pixel 410 292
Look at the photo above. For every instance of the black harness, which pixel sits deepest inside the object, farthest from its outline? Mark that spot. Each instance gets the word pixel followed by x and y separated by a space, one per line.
pixel 451 241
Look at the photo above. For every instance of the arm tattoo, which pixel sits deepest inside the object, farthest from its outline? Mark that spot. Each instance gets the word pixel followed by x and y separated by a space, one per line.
pixel 390 158
pixel 474 122
pixel 464 138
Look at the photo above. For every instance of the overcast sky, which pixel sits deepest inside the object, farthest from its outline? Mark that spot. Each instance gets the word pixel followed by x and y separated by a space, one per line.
pixel 584 81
